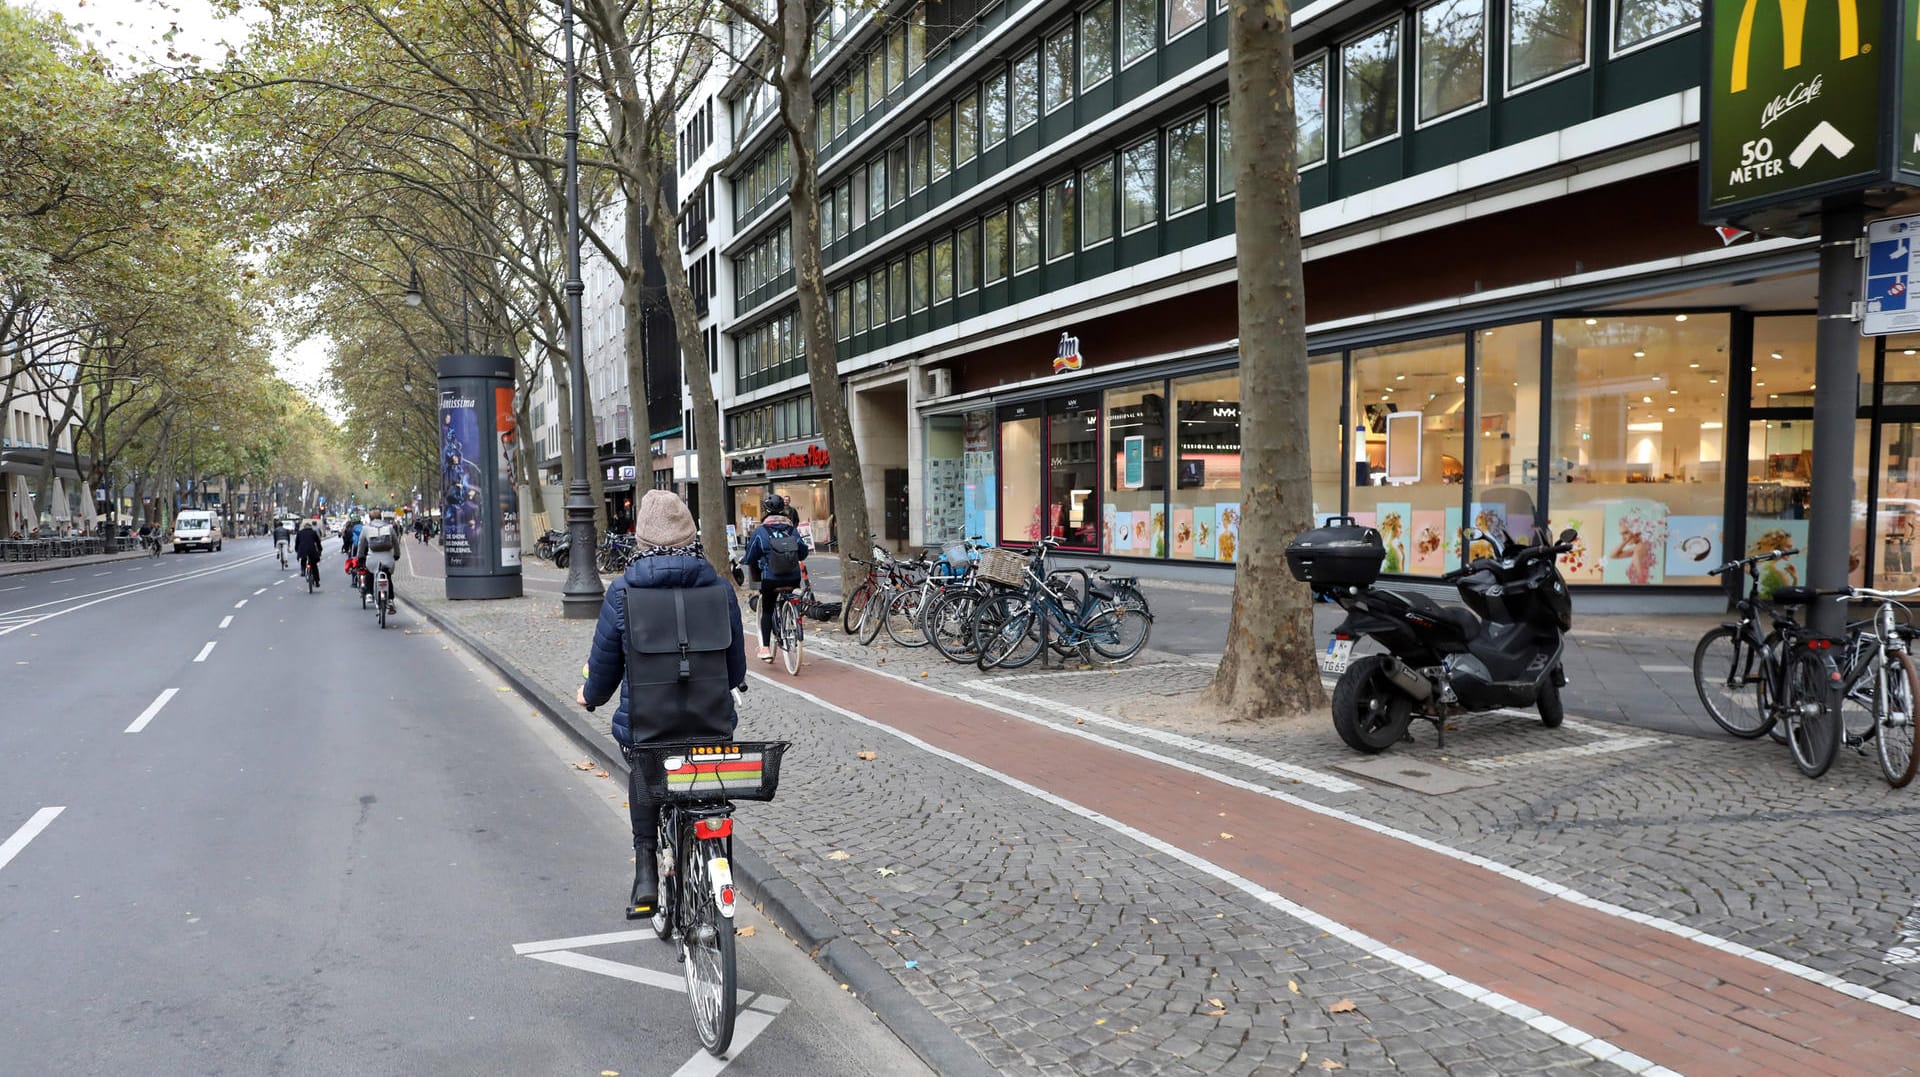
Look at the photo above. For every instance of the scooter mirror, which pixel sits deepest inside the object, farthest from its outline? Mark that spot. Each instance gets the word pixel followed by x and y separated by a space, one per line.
pixel 1569 535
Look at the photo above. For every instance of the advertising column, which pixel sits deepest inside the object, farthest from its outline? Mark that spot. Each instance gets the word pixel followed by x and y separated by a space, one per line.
pixel 480 522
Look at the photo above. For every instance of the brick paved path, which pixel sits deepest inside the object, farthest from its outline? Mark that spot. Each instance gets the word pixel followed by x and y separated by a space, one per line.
pixel 1144 942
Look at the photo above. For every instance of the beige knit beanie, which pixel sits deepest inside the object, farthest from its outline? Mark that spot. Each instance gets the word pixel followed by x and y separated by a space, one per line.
pixel 663 521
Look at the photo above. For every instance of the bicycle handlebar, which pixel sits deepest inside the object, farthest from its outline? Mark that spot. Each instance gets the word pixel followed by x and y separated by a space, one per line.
pixel 1879 595
pixel 1743 562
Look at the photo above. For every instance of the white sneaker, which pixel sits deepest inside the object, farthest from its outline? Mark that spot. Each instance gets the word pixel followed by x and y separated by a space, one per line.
pixel 766 655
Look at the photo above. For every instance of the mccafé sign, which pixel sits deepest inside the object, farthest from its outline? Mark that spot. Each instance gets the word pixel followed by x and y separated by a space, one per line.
pixel 811 458
pixel 1794 107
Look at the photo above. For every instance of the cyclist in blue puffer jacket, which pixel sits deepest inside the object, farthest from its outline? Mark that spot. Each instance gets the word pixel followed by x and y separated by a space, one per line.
pixel 774 552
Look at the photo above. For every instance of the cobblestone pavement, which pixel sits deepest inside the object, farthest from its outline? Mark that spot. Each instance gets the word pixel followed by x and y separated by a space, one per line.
pixel 1058 946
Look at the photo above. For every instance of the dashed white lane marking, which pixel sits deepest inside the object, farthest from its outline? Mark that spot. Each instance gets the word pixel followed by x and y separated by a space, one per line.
pixel 69 579
pixel 239 604
pixel 1565 1033
pixel 227 620
pixel 4 590
pixel 204 652
pixel 260 592
pixel 153 709
pixel 1666 669
pixel 28 831
pixel 15 619
pixel 97 575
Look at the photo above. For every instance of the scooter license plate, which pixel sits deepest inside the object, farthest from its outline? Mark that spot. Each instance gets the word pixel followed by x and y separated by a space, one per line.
pixel 1335 658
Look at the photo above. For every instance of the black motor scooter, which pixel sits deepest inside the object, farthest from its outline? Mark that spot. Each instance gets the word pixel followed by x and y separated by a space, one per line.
pixel 1502 650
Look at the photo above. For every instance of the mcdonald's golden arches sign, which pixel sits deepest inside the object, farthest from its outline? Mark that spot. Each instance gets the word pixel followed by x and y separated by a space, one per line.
pixel 1794 108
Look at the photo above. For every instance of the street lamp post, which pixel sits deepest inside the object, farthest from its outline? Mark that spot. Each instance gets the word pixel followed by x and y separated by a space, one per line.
pixel 583 595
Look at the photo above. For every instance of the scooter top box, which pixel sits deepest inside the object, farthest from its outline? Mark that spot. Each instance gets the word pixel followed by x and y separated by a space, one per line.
pixel 1339 554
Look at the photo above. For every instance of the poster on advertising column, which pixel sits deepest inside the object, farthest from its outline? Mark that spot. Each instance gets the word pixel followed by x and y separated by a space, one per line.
pixel 506 467
pixel 462 479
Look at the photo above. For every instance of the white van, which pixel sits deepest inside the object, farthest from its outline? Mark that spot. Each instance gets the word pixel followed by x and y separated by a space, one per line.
pixel 196 527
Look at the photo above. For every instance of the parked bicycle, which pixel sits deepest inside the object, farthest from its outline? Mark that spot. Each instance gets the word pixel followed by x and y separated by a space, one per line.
pixel 696 785
pixel 1012 628
pixel 1792 672
pixel 547 546
pixel 1879 680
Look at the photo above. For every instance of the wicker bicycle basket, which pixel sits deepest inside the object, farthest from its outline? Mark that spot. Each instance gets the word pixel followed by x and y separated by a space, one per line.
pixel 1008 568
pixel 687 773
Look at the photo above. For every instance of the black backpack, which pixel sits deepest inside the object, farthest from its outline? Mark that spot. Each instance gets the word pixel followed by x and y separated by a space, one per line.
pixel 783 553
pixel 677 643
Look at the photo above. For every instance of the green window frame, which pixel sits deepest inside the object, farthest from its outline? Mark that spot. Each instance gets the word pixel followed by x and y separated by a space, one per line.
pixel 966 128
pixel 1096 44
pixel 993 110
pixel 897 290
pixel 1063 218
pixel 993 247
pixel 943 269
pixel 1140 186
pixel 1096 204
pixel 966 258
pixel 942 132
pixel 1024 101
pixel 1026 234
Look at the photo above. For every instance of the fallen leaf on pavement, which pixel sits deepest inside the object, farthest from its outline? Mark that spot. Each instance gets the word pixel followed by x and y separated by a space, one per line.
pixel 1345 1005
pixel 502 688
pixel 1330 1065
pixel 745 932
pixel 869 756
pixel 839 854
pixel 599 773
pixel 583 766
pixel 609 1073
pixel 1153 919
pixel 1216 1013
pixel 923 673
pixel 1303 1056
pixel 885 872
pixel 1216 1003
pixel 1293 987
pixel 1079 721
pixel 1100 1021
pixel 1226 835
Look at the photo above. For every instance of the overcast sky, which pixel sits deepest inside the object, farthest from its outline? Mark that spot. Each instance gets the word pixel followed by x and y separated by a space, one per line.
pixel 129 31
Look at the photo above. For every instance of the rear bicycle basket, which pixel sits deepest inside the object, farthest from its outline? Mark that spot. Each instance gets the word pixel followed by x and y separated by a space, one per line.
pixel 1002 566
pixel 690 773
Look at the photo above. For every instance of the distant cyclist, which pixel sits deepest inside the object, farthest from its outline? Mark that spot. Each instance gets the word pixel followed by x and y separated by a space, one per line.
pixel 306 544
pixel 774 551
pixel 378 550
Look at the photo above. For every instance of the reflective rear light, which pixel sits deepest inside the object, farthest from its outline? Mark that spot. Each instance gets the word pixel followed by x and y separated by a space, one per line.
pixel 713 828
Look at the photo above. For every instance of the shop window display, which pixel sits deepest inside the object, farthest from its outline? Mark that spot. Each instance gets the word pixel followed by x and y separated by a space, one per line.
pixel 1136 460
pixel 1205 511
pixel 1021 461
pixel 1409 416
pixel 1783 363
pixel 1506 424
pixel 1326 442
pixel 1073 510
pixel 1638 442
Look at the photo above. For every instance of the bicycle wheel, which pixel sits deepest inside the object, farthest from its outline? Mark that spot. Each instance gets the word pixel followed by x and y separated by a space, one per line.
pixel 1726 676
pixel 874 616
pixel 904 620
pixel 790 639
pixel 1118 632
pixel 707 944
pixel 949 624
pixel 1898 761
pixel 855 606
pixel 1006 632
pixel 1812 708
pixel 380 599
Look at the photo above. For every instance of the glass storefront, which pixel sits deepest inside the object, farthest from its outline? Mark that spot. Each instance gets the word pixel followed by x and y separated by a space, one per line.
pixel 1620 426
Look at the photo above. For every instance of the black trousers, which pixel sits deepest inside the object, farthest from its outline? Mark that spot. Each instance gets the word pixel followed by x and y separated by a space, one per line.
pixel 641 805
pixel 769 604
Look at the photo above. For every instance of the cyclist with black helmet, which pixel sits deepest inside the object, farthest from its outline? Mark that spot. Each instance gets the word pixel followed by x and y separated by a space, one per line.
pixel 774 551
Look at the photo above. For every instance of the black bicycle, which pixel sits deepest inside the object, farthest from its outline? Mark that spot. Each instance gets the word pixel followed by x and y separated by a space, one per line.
pixel 696 785
pixel 1791 672
pixel 312 573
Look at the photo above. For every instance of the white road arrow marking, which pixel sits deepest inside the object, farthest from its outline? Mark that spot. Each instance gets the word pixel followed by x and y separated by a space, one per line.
pixel 1823 136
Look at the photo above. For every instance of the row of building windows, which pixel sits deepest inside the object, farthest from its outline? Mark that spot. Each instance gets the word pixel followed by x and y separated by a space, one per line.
pixel 767 175
pixel 697 133
pixel 1544 39
pixel 772 345
pixel 772 424
pixel 884 69
pixel 1083 210
pixel 28 429
pixel 764 262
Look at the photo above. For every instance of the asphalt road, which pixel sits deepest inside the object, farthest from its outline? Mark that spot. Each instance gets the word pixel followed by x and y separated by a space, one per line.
pixel 244 831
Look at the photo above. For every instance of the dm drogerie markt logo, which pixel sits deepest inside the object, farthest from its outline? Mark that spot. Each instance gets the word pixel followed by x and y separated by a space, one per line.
pixel 1794 95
